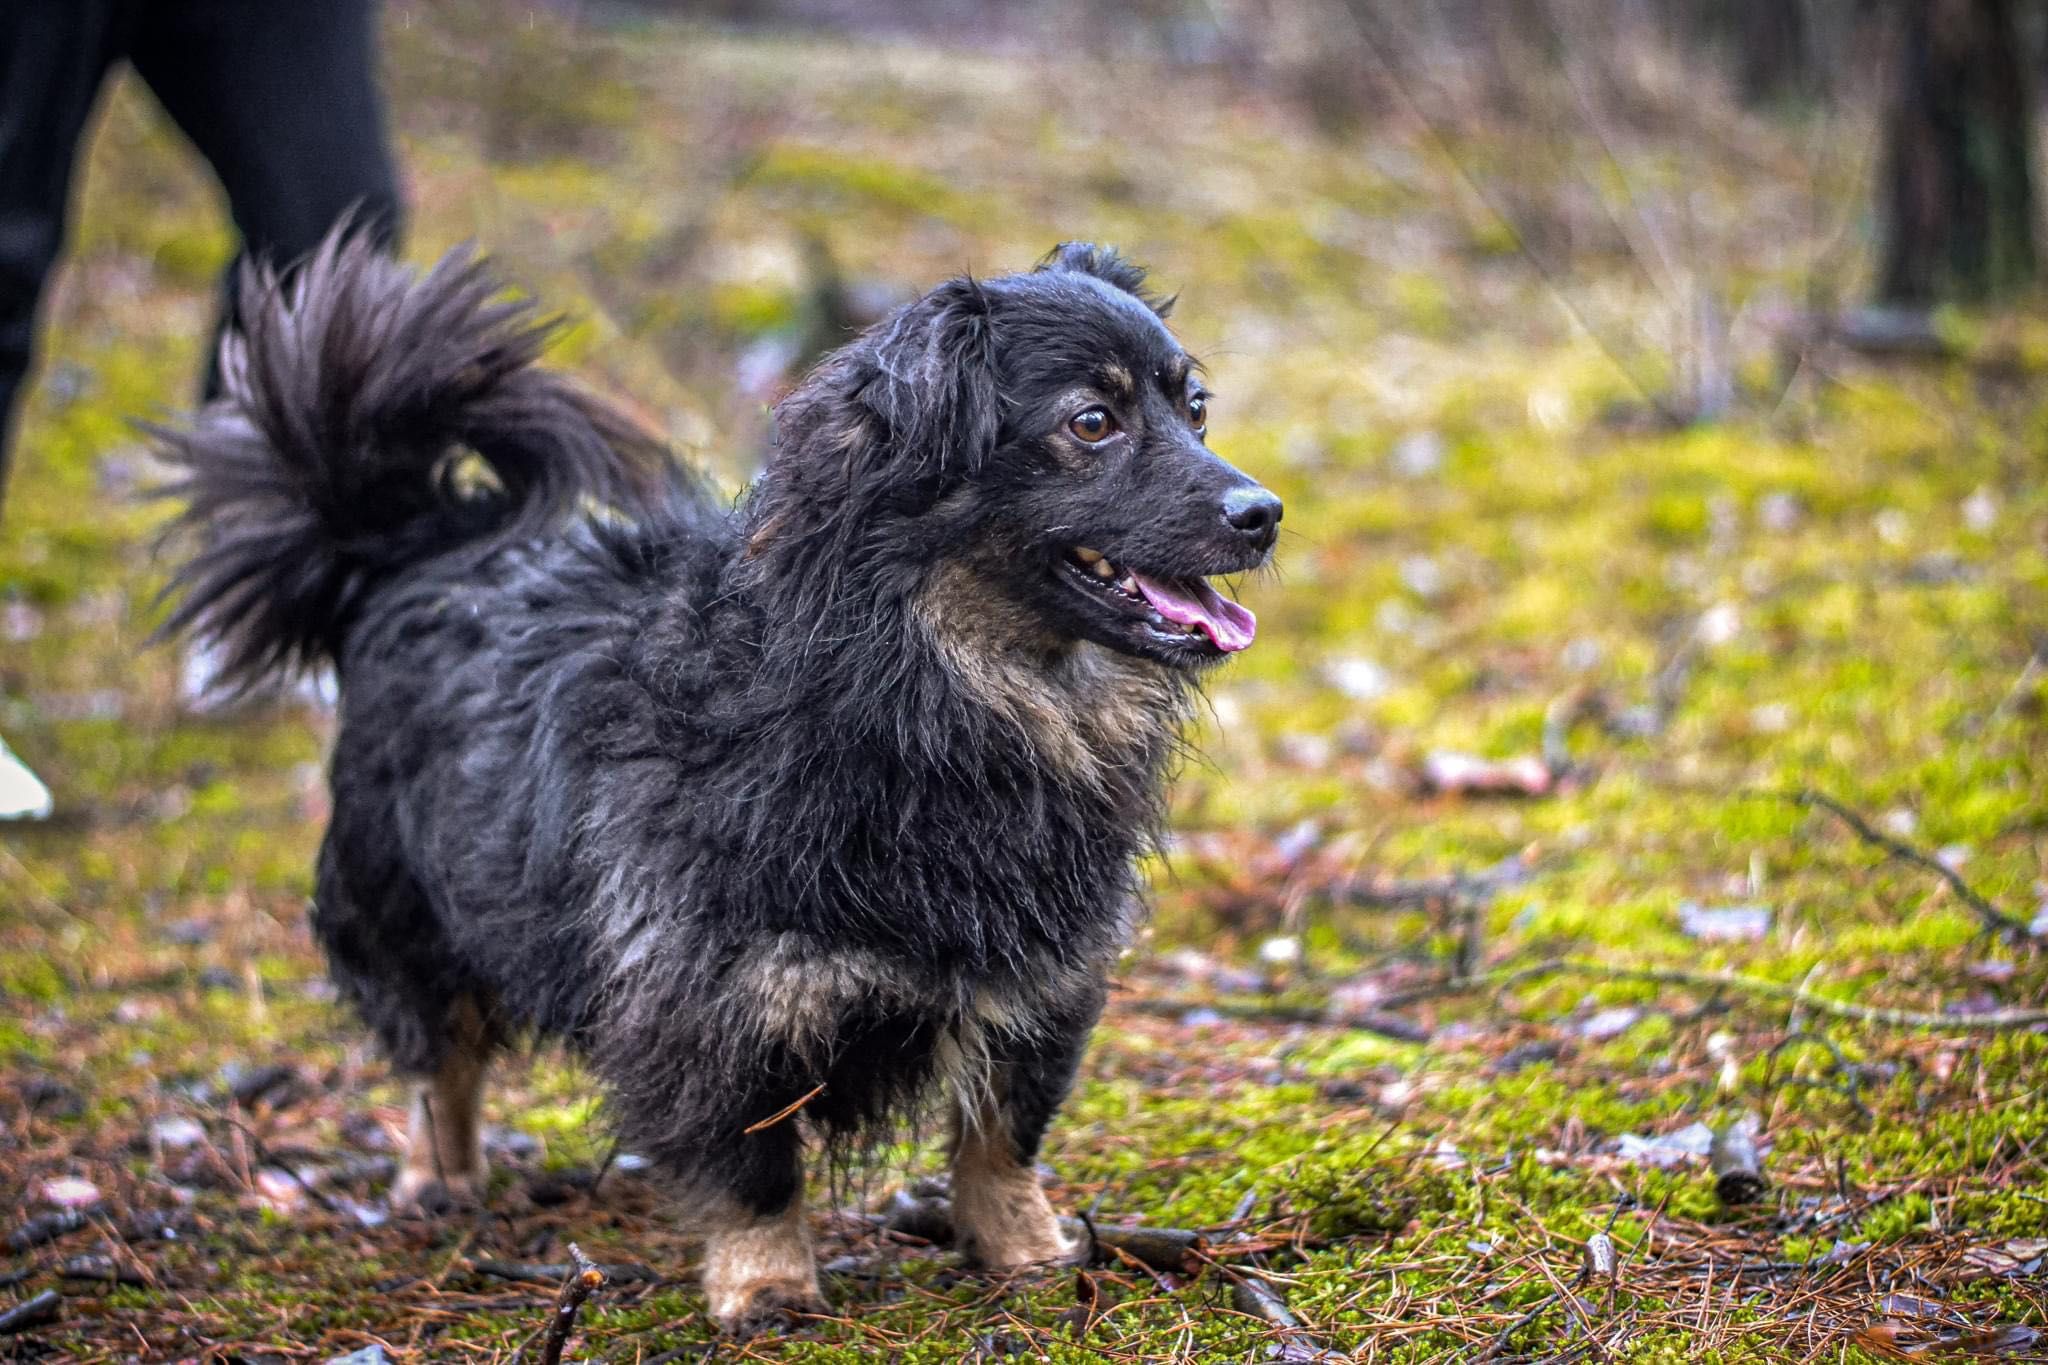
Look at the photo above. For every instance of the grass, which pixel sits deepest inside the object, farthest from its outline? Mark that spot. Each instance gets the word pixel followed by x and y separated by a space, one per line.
pixel 1845 589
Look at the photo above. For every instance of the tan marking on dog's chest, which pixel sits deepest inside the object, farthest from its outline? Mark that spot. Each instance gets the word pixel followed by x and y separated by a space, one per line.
pixel 799 994
pixel 1086 710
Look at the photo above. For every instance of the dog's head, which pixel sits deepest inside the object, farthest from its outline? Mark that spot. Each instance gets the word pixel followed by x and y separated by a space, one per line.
pixel 1046 431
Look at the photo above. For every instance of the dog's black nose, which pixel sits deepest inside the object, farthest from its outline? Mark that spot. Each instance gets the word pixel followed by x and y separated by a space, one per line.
pixel 1254 511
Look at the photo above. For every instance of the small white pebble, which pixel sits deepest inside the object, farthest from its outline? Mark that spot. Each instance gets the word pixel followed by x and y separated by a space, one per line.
pixel 1358 679
pixel 176 1133
pixel 1280 951
pixel 69 1192
pixel 1550 409
pixel 1395 617
pixel 1419 454
pixel 1980 510
pixel 1779 512
pixel 1720 623
pixel 1610 1023
pixel 20 622
pixel 1772 718
pixel 1892 526
pixel 1422 576
pixel 1309 751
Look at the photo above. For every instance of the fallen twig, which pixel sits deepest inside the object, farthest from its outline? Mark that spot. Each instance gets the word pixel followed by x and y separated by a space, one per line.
pixel 32 1312
pixel 2036 662
pixel 45 1227
pixel 1175 1251
pixel 1987 1020
pixel 1285 1012
pixel 1251 1295
pixel 1506 1334
pixel 1738 1173
pixel 1995 920
pixel 1421 893
pixel 528 1272
pixel 104 1270
pixel 575 1289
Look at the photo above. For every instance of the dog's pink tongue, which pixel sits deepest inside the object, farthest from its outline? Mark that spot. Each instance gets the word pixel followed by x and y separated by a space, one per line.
pixel 1192 602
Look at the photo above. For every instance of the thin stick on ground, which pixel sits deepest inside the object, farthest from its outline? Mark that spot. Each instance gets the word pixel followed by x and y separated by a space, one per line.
pixel 2007 704
pixel 1995 920
pixel 1986 1020
pixel 578 1287
pixel 1251 1295
pixel 33 1312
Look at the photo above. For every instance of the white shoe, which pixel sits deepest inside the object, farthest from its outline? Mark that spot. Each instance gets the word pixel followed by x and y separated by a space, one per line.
pixel 22 794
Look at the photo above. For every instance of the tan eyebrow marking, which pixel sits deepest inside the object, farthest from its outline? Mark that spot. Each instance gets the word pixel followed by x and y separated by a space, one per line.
pixel 1116 381
pixel 1175 375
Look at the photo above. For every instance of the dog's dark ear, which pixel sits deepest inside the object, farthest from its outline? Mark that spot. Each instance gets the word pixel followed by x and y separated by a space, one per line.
pixel 1105 263
pixel 931 384
pixel 887 423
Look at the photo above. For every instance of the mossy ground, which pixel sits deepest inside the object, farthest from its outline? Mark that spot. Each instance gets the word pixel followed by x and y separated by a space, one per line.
pixel 1855 571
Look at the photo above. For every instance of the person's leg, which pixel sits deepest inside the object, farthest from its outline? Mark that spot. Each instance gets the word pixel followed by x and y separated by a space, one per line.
pixel 283 100
pixel 54 56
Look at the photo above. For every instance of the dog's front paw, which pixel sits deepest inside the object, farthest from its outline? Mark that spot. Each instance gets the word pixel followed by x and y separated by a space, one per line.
pixel 744 1311
pixel 1010 1223
pixel 428 1194
pixel 761 1274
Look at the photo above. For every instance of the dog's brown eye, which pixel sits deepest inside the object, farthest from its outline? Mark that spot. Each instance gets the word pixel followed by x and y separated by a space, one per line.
pixel 1093 425
pixel 1198 413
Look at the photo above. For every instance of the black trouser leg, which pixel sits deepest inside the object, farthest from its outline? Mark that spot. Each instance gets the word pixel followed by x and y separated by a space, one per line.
pixel 281 96
pixel 54 56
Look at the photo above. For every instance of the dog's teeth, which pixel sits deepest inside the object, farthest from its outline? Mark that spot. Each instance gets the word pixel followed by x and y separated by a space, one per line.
pixel 1128 584
pixel 1086 555
pixel 1103 568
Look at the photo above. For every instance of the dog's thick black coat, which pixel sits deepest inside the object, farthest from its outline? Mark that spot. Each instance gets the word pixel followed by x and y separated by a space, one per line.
pixel 842 789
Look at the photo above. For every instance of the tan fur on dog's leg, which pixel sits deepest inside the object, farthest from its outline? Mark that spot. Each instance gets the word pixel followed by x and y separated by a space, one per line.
pixel 444 1149
pixel 1001 1216
pixel 758 1269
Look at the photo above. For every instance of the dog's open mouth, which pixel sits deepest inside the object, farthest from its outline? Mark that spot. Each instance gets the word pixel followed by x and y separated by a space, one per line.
pixel 1178 609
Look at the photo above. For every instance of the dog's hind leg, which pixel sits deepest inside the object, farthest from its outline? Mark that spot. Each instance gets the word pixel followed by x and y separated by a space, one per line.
pixel 444 1152
pixel 1001 1216
pixel 386 951
pixel 759 1264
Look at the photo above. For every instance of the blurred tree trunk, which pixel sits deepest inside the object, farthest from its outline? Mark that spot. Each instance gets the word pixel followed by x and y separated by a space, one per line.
pixel 1959 138
pixel 1774 58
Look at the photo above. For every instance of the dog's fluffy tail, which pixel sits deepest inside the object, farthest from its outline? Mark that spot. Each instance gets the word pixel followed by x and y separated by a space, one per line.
pixel 372 419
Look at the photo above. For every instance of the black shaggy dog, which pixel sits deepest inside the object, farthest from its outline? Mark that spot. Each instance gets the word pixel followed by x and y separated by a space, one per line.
pixel 791 818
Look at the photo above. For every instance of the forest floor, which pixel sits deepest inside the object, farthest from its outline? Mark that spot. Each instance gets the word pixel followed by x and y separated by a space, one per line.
pixel 1485 908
